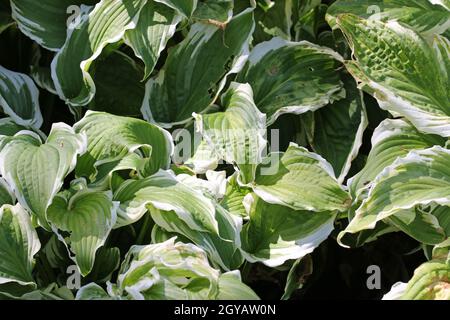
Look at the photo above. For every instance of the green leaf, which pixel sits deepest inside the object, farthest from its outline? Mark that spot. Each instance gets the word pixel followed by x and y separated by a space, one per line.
pixel 166 271
pixel 9 128
pixel 300 180
pixel 391 139
pixel 425 16
pixel 196 70
pixel 234 200
pixel 238 134
pixel 396 65
pixel 92 291
pixel 19 98
pixel 106 23
pixel 163 192
pixel 6 195
pixel 46 21
pixel 119 87
pixel 157 24
pixel 18 245
pixel 111 139
pixel 277 233
pixel 420 178
pixel 231 287
pixel 217 12
pixel 35 170
pixel 184 7
pixel 88 216
pixel 337 130
pixel 292 77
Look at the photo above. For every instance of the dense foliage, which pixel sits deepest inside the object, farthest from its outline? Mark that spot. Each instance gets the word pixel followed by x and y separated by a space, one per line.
pixel 220 149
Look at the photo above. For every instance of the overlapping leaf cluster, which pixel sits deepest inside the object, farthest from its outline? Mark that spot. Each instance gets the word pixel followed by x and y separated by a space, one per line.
pixel 278 95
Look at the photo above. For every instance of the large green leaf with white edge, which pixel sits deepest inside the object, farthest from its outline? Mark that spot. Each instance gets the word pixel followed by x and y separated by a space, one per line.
pixel 46 21
pixel 301 180
pixel 231 287
pixel 196 70
pixel 163 192
pixel 396 65
pixel 222 248
pixel 92 291
pixel 392 139
pixel 166 271
pixel 19 98
pixel 157 24
pixel 337 130
pixel 278 233
pixel 420 178
pixel 9 128
pixel 184 7
pixel 236 135
pixel 18 245
pixel 35 170
pixel 430 282
pixel 88 216
pixel 214 11
pixel 425 16
pixel 6 195
pixel 119 87
pixel 292 77
pixel 112 138
pixel 106 23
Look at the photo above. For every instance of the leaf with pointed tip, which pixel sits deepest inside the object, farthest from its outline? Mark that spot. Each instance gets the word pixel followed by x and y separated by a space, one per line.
pixel 157 24
pixel 88 216
pixel 337 129
pixel 18 245
pixel 46 21
pixel 292 77
pixel 300 180
pixel 396 65
pixel 163 192
pixel 238 134
pixel 277 233
pixel 35 170
pixel 184 7
pixel 425 16
pixel 106 23
pixel 19 98
pixel 113 138
pixel 214 11
pixel 196 70
pixel 420 178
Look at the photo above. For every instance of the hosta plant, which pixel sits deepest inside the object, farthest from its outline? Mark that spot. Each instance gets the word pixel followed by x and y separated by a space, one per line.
pixel 220 149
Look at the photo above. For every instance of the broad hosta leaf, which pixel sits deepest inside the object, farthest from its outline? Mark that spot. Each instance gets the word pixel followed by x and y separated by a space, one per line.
pixel 391 139
pixel 163 192
pixel 234 200
pixel 277 233
pixel 430 282
pixel 292 77
pixel 337 130
pixel 9 128
pixel 157 24
pixel 88 216
pixel 214 11
pixel 119 87
pixel 35 170
pixel 232 288
pixel 112 138
pixel 184 7
pixel 166 271
pixel 46 21
pixel 397 66
pixel 420 178
pixel 222 248
pixel 301 180
pixel 426 16
pixel 92 291
pixel 19 98
pixel 238 134
pixel 196 69
pixel 105 24
pixel 18 245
